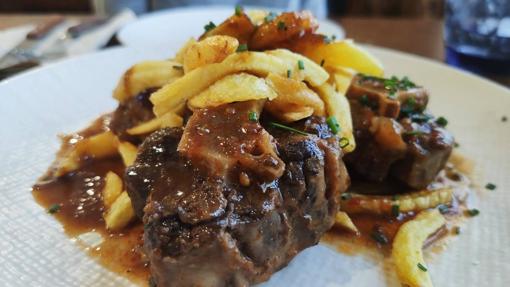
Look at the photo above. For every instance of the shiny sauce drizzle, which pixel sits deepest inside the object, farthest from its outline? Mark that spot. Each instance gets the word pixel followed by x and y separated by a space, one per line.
pixel 78 196
pixel 378 231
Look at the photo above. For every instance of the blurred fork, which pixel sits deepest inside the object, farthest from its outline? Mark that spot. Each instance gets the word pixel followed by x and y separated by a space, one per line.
pixel 27 50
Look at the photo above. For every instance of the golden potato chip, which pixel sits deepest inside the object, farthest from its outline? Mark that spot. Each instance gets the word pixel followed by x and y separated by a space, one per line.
pixel 233 88
pixel 210 50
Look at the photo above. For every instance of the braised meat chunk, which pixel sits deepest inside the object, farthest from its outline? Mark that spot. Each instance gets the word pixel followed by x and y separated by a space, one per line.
pixel 395 136
pixel 230 202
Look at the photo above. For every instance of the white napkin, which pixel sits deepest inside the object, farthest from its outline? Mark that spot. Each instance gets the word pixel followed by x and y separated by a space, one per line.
pixel 89 42
pixel 10 38
pixel 97 38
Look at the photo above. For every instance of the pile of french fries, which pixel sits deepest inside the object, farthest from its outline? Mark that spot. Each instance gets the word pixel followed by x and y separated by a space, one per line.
pixel 215 71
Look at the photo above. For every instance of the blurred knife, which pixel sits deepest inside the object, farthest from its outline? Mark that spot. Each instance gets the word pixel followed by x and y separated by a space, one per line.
pixel 59 49
pixel 26 50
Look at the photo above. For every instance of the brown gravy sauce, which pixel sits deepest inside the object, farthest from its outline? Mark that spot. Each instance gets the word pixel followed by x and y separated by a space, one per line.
pixel 79 196
pixel 81 210
pixel 350 243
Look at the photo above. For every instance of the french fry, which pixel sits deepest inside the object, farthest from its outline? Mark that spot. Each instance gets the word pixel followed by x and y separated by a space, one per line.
pixel 120 213
pixel 295 100
pixel 127 152
pixel 112 188
pixel 144 75
pixel 179 56
pixel 384 204
pixel 233 88
pixel 343 220
pixel 338 107
pixel 98 146
pixel 407 251
pixel 347 54
pixel 194 82
pixel 169 120
pixel 342 78
pixel 309 71
pixel 257 16
pixel 210 50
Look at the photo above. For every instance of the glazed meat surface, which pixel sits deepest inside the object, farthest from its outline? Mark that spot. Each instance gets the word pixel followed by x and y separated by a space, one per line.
pixel 227 202
pixel 395 136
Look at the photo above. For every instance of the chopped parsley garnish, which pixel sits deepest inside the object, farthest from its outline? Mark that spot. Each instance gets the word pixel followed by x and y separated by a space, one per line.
pixel 490 186
pixel 504 119
pixel 379 237
pixel 395 210
pixel 456 144
pixel 322 62
pixel 473 212
pixel 284 127
pixel 281 25
pixel 239 10
pixel 54 208
pixel 422 267
pixel 406 84
pixel 209 26
pixel 344 142
pixel 442 121
pixel 301 64
pixel 270 17
pixel 177 67
pixel 252 116
pixel 289 73
pixel 333 124
pixel 392 85
pixel 456 230
pixel 346 196
pixel 242 48
pixel 443 209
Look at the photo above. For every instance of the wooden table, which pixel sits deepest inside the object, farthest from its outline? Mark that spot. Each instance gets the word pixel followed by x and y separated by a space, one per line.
pixel 422 37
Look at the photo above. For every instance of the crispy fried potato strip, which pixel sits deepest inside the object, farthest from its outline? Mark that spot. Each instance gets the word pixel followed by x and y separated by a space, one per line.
pixel 127 152
pixel 310 72
pixel 210 50
pixel 144 75
pixel 338 107
pixel 179 56
pixel 344 53
pixel 168 120
pixel 194 82
pixel 98 146
pixel 407 251
pixel 342 77
pixel 295 100
pixel 233 88
pixel 112 188
pixel 343 220
pixel 120 213
pixel 383 204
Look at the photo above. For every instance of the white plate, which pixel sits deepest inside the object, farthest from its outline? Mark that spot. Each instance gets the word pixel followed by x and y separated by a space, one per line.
pixel 64 97
pixel 171 28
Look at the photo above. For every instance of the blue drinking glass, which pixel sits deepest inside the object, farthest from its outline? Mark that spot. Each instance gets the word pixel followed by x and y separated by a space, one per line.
pixel 477 35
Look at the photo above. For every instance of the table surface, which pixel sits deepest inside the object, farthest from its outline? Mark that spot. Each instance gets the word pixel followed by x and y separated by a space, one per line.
pixel 422 37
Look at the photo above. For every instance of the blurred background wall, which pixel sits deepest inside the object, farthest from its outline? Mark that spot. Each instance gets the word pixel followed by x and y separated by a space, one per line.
pixel 362 8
